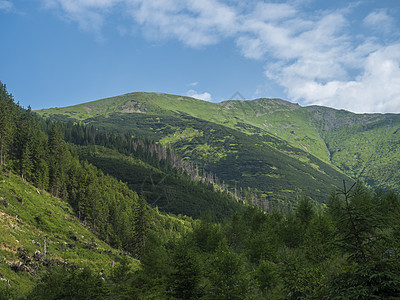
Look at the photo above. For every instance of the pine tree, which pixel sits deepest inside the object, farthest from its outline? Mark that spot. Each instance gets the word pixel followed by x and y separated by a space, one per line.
pixel 58 157
pixel 228 278
pixel 185 278
pixel 7 124
pixel 141 224
pixel 305 211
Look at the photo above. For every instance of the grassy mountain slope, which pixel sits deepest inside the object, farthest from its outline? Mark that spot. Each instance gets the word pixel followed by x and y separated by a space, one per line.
pixel 31 220
pixel 273 116
pixel 364 146
pixel 284 119
pixel 222 138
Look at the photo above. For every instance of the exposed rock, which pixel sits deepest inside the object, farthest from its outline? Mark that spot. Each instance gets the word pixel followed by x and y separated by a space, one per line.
pixel 4 202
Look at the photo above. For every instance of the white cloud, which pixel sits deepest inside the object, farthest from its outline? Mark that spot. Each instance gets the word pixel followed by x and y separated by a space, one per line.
pixel 379 20
pixel 315 56
pixel 195 23
pixel 194 94
pixel 6 6
pixel 376 89
pixel 273 11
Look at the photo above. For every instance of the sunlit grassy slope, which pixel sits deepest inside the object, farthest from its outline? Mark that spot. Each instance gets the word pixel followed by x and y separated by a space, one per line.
pixel 31 220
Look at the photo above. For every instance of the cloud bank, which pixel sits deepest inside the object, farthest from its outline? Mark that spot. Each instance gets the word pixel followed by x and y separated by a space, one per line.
pixel 314 55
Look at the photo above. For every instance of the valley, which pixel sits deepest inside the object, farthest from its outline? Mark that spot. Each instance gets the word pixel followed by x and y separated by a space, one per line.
pixel 158 196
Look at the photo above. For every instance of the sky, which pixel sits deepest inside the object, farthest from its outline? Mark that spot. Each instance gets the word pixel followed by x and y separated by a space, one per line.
pixel 341 54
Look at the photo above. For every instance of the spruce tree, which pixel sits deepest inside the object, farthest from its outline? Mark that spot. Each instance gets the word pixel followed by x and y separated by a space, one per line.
pixel 141 224
pixel 185 279
pixel 57 162
pixel 7 124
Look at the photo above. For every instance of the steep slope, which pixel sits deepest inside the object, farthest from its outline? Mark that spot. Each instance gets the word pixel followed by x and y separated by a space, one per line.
pixel 364 146
pixel 39 231
pixel 284 119
pixel 217 138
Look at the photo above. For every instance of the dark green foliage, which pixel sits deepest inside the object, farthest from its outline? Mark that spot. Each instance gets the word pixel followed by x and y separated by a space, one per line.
pixel 62 283
pixel 57 162
pixel 121 281
pixel 255 233
pixel 8 111
pixel 155 259
pixel 372 280
pixel 317 239
pixel 206 235
pixel 291 231
pixel 140 225
pixel 362 233
pixel 359 226
pixel 304 211
pixel 227 275
pixel 185 277
pixel 168 189
pixel 266 275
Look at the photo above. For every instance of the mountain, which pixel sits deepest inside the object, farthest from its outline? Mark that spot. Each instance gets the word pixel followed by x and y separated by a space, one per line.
pixel 267 146
pixel 363 146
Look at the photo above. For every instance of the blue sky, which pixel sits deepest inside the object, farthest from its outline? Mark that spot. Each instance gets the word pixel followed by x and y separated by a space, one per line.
pixel 342 54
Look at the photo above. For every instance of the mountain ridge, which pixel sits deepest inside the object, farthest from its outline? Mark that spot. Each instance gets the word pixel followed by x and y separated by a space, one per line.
pixel 219 137
pixel 326 133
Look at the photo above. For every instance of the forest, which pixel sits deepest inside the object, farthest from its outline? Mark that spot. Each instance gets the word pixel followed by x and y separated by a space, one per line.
pixel 345 248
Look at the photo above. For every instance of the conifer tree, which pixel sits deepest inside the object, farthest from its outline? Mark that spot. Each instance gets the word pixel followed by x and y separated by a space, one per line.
pixel 57 162
pixel 228 278
pixel 7 125
pixel 185 278
pixel 141 224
